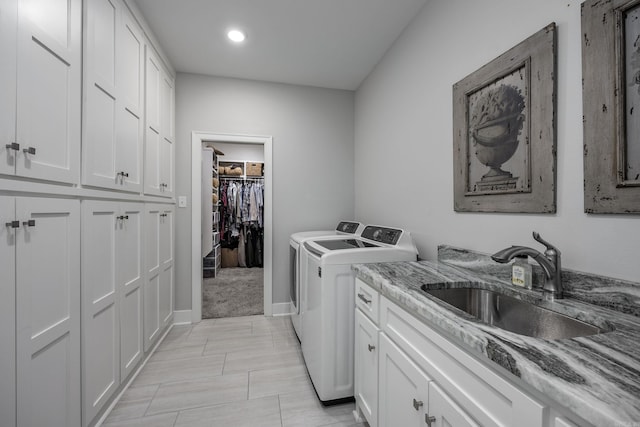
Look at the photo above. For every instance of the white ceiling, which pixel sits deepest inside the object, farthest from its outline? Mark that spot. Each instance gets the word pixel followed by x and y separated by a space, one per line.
pixel 324 43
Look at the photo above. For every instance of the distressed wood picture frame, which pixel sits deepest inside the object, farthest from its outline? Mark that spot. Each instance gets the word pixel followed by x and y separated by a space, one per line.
pixel 611 104
pixel 504 135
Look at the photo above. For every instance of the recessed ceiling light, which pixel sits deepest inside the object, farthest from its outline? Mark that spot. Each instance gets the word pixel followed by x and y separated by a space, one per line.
pixel 236 36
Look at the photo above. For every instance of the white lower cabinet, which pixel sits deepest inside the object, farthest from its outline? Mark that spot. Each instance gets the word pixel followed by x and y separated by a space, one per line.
pixel 404 388
pixel 158 289
pixel 443 411
pixel 7 311
pixel 408 397
pixel 366 369
pixel 422 378
pixel 40 363
pixel 112 277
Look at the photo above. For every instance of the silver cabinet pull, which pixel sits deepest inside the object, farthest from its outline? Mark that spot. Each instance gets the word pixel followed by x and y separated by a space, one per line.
pixel 363 298
pixel 12 224
pixel 30 150
pixel 29 223
pixel 13 146
pixel 429 420
pixel 417 404
pixel 371 347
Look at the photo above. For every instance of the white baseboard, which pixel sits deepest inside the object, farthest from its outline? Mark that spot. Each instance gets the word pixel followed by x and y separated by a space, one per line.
pixel 182 317
pixel 281 309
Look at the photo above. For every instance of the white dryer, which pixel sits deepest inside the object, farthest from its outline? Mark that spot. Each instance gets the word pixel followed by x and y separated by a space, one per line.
pixel 297 264
pixel 328 322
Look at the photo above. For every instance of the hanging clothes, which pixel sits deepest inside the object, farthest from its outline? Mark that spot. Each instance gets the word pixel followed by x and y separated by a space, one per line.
pixel 242 219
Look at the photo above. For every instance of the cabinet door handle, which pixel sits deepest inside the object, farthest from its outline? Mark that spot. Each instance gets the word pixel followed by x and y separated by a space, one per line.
pixel 12 224
pixel 363 298
pixel 123 217
pixel 429 420
pixel 371 347
pixel 124 174
pixel 13 146
pixel 29 223
pixel 30 150
pixel 417 404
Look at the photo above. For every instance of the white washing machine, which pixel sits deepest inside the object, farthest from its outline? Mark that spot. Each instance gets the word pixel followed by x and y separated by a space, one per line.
pixel 328 322
pixel 297 265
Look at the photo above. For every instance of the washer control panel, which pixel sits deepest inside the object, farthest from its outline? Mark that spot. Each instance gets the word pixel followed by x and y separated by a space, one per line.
pixel 348 227
pixel 389 236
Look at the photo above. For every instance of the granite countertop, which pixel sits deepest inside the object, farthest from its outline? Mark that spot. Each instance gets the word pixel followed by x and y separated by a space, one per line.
pixel 597 377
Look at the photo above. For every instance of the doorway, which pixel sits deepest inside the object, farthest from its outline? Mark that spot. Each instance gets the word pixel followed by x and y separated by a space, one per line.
pixel 196 196
pixel 233 278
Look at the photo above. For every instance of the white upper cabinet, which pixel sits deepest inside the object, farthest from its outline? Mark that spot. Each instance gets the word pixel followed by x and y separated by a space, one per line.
pixel 113 125
pixel 159 127
pixel 8 34
pixel 46 139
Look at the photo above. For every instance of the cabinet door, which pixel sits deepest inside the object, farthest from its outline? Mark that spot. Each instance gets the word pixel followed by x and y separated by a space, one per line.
pixel 48 89
pixel 152 147
pixel 167 133
pixel 129 80
pixel 167 107
pixel 404 394
pixel 8 29
pixel 130 280
pixel 99 166
pixel 445 412
pixel 166 265
pixel 48 312
pixel 7 312
pixel 366 368
pixel 100 317
pixel 112 144
pixel 166 159
pixel 153 136
pixel 151 291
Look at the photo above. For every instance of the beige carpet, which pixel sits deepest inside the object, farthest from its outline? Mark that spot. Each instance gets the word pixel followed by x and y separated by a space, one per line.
pixel 234 292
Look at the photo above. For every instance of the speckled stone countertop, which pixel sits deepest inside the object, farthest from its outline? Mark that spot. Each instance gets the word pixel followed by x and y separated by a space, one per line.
pixel 597 377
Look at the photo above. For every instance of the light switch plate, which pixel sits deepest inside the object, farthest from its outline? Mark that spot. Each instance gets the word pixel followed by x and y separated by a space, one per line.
pixel 182 201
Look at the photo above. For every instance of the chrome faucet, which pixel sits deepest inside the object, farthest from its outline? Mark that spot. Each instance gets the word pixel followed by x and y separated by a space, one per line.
pixel 549 261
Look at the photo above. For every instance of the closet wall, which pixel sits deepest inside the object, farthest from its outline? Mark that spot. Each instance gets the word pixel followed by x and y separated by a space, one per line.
pixel 84 77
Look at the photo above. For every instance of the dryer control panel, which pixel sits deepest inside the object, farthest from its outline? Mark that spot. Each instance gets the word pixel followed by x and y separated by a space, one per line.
pixel 389 236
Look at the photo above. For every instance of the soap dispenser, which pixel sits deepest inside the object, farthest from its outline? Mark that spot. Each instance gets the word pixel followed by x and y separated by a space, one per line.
pixel 521 272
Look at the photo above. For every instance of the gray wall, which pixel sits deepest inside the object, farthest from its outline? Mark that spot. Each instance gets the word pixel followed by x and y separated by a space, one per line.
pixel 312 132
pixel 404 127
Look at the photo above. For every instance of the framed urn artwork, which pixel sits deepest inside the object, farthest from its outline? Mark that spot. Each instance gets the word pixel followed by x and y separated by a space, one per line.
pixel 504 135
pixel 611 104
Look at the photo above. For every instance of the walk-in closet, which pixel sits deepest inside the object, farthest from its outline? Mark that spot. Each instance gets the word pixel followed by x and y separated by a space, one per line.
pixel 233 201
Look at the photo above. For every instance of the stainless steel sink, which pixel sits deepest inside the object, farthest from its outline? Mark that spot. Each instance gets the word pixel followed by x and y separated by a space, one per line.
pixel 513 314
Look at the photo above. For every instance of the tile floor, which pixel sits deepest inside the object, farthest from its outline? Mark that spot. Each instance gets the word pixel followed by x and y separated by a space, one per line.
pixel 231 372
